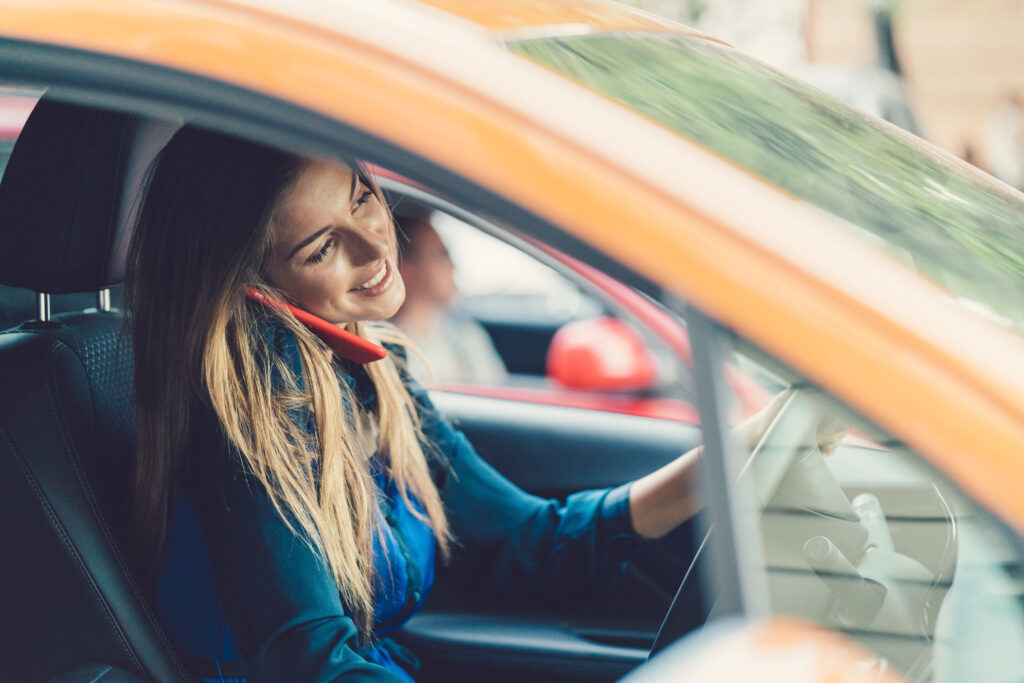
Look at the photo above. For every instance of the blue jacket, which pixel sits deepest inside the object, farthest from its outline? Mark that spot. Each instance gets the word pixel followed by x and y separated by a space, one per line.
pixel 243 598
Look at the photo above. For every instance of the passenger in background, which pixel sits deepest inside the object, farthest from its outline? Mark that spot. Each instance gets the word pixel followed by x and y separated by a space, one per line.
pixel 455 346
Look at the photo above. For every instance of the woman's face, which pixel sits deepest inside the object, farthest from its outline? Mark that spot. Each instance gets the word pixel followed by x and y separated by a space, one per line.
pixel 334 251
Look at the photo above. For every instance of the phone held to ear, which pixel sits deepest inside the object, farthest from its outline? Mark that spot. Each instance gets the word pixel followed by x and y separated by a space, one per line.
pixel 342 342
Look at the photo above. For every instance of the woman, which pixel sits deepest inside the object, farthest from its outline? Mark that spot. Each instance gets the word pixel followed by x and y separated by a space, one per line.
pixel 290 502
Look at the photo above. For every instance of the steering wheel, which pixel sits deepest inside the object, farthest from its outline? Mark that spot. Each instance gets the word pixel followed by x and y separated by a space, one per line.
pixel 864 579
pixel 787 447
pixel 789 438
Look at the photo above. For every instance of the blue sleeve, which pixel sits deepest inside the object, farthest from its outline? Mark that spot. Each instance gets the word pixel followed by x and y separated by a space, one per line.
pixel 518 544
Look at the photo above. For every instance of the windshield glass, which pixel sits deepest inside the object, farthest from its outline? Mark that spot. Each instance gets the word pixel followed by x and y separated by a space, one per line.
pixel 935 213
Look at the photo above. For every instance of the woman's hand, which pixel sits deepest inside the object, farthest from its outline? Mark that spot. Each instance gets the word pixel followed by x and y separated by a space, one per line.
pixel 667 497
pixel 750 432
pixel 831 431
pixel 831 428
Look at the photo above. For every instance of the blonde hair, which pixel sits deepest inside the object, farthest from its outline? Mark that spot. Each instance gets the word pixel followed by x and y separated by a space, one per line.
pixel 203 234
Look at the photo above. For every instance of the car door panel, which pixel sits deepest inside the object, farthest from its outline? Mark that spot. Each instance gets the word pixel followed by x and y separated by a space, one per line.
pixel 477 647
pixel 552 451
pixel 555 450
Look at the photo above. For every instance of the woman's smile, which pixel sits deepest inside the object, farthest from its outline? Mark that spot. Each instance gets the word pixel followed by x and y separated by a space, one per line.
pixel 377 284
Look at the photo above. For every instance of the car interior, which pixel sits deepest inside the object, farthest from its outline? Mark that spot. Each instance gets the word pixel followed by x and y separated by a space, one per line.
pixel 66 201
pixel 74 609
pixel 67 421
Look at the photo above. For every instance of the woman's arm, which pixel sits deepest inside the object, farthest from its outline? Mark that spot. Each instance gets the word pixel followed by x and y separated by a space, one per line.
pixel 667 497
pixel 516 543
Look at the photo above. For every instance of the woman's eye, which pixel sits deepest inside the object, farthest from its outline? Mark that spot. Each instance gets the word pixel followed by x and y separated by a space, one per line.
pixel 322 253
pixel 363 198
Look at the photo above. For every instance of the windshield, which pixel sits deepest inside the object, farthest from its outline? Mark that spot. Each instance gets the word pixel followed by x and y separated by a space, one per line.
pixel 933 212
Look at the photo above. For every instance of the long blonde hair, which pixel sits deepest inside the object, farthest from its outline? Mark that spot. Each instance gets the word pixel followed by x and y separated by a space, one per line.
pixel 203 234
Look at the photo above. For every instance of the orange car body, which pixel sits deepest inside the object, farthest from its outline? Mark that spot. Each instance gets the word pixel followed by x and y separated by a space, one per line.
pixel 742 251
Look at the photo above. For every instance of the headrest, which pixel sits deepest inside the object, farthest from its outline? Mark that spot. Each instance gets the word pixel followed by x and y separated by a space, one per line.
pixel 69 194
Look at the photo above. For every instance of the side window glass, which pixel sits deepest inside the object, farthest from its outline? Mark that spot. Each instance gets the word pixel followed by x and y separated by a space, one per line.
pixel 859 533
pixel 480 310
pixel 483 312
pixel 521 301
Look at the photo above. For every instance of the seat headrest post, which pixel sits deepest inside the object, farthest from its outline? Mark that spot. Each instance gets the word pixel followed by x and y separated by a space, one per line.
pixel 42 307
pixel 103 299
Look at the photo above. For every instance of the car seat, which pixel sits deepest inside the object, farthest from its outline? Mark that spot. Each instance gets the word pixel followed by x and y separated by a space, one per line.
pixel 67 593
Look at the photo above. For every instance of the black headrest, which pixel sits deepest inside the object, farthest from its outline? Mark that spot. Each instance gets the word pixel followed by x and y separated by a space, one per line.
pixel 68 193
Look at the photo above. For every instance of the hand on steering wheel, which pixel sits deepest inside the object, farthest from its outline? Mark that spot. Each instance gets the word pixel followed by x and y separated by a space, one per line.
pixel 793 424
pixel 751 431
pixel 790 428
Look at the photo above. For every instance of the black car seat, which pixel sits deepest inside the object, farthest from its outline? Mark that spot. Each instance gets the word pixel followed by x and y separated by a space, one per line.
pixel 67 593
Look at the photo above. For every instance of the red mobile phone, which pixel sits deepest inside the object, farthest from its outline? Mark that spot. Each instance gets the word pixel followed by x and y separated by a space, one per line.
pixel 342 342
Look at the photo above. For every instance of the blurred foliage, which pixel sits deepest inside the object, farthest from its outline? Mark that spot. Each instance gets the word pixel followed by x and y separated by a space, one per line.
pixel 926 208
pixel 687 11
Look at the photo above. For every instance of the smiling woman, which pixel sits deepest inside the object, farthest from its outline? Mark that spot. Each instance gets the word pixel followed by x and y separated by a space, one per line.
pixel 324 484
pixel 221 215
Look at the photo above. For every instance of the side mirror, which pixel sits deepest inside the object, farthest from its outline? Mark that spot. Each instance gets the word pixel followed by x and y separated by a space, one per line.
pixel 600 354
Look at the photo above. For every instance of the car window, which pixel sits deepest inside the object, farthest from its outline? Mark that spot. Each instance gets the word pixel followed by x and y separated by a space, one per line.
pixel 557 451
pixel 521 302
pixel 499 312
pixel 479 310
pixel 940 216
pixel 868 539
pixel 498 281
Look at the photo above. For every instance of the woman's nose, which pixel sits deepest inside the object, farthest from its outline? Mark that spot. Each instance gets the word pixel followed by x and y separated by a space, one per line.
pixel 365 244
